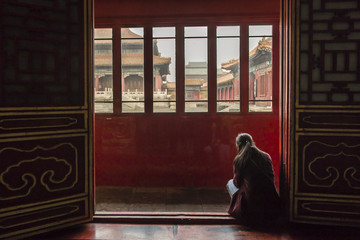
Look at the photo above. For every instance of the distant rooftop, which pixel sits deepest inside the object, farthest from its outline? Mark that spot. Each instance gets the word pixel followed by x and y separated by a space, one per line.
pixel 229 64
pixel 199 68
pixel 127 33
pixel 264 44
pixel 193 82
pixel 225 78
pixel 129 59
pixel 196 65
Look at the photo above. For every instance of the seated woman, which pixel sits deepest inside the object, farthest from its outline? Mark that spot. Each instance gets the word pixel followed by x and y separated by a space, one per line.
pixel 256 201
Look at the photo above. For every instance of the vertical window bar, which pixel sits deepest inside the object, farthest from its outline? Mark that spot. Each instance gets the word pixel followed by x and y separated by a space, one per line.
pixel 148 70
pixel 212 70
pixel 180 67
pixel 117 70
pixel 244 74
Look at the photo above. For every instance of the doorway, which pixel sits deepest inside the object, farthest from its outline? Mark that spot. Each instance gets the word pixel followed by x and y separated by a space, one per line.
pixel 179 161
pixel 176 148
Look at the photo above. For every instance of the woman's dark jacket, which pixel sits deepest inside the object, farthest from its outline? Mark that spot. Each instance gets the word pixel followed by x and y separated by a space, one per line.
pixel 257 201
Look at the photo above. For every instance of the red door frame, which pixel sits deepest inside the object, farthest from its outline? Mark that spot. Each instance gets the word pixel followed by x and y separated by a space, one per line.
pixel 180 22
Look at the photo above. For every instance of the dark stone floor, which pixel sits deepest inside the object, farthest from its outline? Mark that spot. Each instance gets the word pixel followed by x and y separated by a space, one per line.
pixel 129 199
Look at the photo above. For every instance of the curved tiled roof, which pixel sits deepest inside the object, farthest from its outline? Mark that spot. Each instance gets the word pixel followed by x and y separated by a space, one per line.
pixel 129 37
pixel 264 44
pixel 103 59
pixel 225 78
pixel 188 82
pixel 230 63
pixel 193 82
pixel 129 59
pixel 127 33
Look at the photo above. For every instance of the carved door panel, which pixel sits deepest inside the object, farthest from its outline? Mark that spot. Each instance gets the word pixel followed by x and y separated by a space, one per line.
pixel 325 150
pixel 45 115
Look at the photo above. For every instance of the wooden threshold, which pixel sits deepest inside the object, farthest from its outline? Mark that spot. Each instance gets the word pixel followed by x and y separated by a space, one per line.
pixel 164 218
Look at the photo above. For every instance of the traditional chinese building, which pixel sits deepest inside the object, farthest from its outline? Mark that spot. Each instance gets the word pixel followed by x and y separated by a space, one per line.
pixel 132 62
pixel 260 75
pixel 228 85
pixel 260 72
pixel 103 65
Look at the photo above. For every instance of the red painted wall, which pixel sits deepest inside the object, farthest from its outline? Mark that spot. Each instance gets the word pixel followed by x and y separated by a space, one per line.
pixel 179 149
pixel 193 8
pixel 172 150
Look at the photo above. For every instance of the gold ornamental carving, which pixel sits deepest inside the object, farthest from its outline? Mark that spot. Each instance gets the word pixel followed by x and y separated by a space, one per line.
pixel 55 176
pixel 330 173
pixel 34 123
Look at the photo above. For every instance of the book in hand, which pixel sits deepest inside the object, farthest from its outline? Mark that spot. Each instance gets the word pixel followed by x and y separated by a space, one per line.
pixel 231 187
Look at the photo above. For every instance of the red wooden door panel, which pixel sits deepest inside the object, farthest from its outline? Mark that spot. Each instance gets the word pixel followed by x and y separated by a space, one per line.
pixel 325 103
pixel 45 115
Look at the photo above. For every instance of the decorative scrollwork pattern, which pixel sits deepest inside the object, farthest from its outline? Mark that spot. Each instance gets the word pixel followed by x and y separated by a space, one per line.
pixel 333 163
pixel 40 166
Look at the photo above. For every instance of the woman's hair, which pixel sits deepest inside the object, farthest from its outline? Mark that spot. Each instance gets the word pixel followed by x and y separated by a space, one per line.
pixel 247 151
pixel 242 139
pixel 244 142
